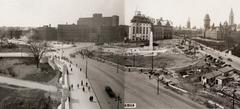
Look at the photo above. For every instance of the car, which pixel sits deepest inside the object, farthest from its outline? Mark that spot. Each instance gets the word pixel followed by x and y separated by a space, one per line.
pixel 229 59
pixel 110 92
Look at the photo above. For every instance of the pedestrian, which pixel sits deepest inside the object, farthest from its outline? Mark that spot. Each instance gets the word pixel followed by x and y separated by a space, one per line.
pixel 91 98
pixel 67 72
pixel 78 85
pixel 83 89
pixel 81 82
pixel 80 69
pixel 89 88
pixel 86 83
pixel 71 69
pixel 69 88
pixel 72 86
pixel 69 99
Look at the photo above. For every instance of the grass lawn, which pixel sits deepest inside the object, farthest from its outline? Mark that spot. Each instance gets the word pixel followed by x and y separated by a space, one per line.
pixel 17 48
pixel 23 98
pixel 25 68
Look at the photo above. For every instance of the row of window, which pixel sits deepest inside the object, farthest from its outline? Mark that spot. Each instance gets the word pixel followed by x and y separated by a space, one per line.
pixel 140 30
pixel 140 38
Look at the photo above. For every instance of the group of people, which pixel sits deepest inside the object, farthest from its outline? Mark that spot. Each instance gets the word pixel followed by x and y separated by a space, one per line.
pixel 84 85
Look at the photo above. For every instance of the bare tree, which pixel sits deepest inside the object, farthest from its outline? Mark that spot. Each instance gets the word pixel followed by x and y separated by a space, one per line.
pixel 37 49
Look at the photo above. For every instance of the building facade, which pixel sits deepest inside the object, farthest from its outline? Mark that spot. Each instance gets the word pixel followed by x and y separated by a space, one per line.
pixel 93 29
pixel 98 20
pixel 162 30
pixel 142 26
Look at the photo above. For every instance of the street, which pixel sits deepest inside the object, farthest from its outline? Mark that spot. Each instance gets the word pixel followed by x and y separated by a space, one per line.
pixel 134 87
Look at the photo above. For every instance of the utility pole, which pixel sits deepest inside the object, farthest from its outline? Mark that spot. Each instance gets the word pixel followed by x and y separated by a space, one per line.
pixel 134 60
pixel 158 80
pixel 86 66
pixel 234 98
pixel 117 63
pixel 119 100
pixel 152 61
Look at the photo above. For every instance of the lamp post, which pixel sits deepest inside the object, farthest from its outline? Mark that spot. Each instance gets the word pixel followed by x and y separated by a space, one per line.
pixel 117 63
pixel 158 80
pixel 118 100
pixel 234 98
pixel 86 66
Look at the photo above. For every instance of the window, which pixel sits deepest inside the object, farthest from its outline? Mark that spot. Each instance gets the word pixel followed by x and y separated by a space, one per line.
pixel 137 30
pixel 134 30
pixel 143 30
pixel 140 30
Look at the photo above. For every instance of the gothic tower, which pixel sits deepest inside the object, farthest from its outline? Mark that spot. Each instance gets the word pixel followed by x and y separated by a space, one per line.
pixel 207 22
pixel 188 23
pixel 231 18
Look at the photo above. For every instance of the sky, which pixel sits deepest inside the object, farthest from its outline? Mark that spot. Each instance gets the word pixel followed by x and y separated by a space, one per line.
pixel 43 12
pixel 178 11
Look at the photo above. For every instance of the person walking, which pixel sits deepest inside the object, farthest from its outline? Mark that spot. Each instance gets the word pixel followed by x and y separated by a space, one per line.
pixel 89 88
pixel 81 82
pixel 86 83
pixel 83 89
pixel 69 99
pixel 78 85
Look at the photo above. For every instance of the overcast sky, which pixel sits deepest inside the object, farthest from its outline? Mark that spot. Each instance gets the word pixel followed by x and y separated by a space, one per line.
pixel 40 12
pixel 178 11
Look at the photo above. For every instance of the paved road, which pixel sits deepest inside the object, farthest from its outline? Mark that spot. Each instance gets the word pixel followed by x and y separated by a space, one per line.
pixel 132 87
pixel 28 84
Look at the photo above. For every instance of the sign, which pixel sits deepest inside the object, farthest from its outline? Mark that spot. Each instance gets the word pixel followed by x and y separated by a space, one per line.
pixel 130 105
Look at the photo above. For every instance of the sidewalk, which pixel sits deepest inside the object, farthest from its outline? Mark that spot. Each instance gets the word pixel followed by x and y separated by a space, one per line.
pixel 79 99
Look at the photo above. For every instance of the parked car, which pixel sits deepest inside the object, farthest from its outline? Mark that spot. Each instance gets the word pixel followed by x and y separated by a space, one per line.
pixel 229 59
pixel 110 92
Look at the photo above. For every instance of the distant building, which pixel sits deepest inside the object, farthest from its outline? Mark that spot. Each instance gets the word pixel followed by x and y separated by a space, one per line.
pixel 47 32
pixel 232 25
pixel 98 20
pixel 140 29
pixel 162 30
pixel 74 32
pixel 94 29
pixel 231 18
pixel 207 22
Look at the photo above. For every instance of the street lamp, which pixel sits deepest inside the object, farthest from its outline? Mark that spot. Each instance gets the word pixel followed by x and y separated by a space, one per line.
pixel 118 100
pixel 158 80
pixel 86 66
pixel 117 63
pixel 234 97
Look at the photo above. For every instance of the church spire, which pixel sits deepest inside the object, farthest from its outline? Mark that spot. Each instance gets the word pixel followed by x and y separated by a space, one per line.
pixel 231 17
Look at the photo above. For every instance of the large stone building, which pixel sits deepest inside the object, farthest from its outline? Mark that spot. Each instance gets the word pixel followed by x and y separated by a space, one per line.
pixel 162 30
pixel 93 29
pixel 141 27
pixel 45 32
pixel 74 32
pixel 221 32
pixel 98 20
